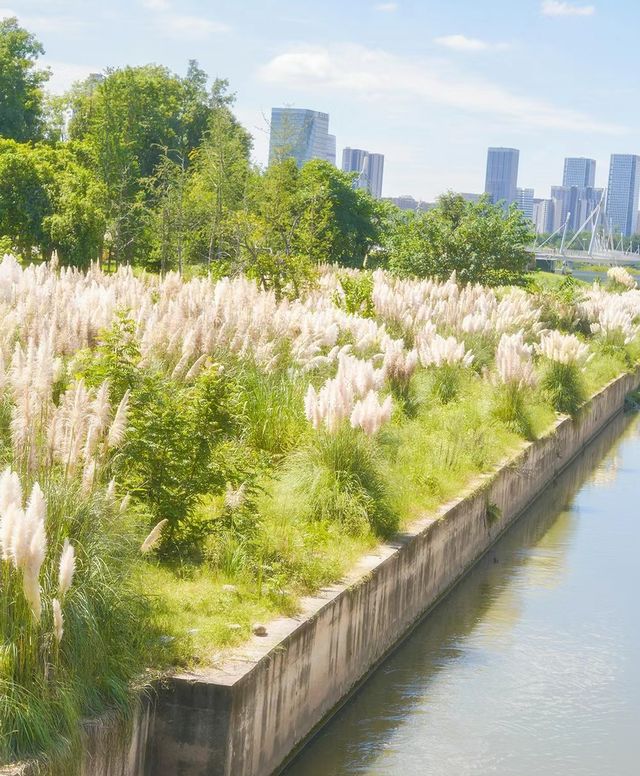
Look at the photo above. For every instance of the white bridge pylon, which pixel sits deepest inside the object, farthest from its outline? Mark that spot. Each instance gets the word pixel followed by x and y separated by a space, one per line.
pixel 603 247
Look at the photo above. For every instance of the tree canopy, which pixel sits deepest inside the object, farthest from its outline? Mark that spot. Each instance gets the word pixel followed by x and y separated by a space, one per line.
pixel 21 83
pixel 477 240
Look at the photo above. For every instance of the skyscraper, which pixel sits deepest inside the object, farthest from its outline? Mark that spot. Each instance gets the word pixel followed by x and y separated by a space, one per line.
pixel 300 134
pixel 502 175
pixel 543 215
pixel 524 200
pixel 579 172
pixel 370 169
pixel 331 149
pixel 622 194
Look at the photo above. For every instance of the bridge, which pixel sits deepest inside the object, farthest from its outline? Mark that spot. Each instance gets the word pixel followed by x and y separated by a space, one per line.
pixel 604 246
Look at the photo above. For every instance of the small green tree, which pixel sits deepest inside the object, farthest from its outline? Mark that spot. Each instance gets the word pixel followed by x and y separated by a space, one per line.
pixel 479 241
pixel 26 189
pixel 218 185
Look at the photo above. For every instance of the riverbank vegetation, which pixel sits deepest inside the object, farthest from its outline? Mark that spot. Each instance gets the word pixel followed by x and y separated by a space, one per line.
pixel 221 385
pixel 264 442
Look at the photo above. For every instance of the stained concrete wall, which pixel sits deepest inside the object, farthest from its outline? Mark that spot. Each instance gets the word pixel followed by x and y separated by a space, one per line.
pixel 246 717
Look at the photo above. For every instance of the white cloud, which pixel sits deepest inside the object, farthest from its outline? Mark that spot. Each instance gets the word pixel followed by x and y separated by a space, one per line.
pixel 157 5
pixel 560 8
pixel 386 7
pixel 463 43
pixel 186 26
pixel 54 23
pixel 65 74
pixel 180 25
pixel 377 75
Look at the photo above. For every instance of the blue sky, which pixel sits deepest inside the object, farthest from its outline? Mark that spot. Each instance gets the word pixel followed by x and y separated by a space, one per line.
pixel 429 83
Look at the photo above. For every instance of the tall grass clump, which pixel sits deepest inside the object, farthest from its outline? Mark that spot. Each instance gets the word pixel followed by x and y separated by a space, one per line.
pixel 563 381
pixel 446 358
pixel 515 376
pixel 74 629
pixel 340 477
pixel 619 280
pixel 339 472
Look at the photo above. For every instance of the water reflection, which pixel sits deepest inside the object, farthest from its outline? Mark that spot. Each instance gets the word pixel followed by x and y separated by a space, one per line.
pixel 520 670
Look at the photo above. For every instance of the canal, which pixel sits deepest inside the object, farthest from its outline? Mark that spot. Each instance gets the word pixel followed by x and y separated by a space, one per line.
pixel 531 665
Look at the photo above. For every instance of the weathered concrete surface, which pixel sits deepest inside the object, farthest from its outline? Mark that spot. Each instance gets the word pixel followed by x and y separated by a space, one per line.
pixel 110 747
pixel 245 717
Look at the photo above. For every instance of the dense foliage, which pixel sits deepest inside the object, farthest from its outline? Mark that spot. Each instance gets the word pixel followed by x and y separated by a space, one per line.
pixel 21 83
pixel 476 240
pixel 142 166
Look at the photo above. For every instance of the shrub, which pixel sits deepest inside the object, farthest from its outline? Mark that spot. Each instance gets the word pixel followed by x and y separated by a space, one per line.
pixel 357 293
pixel 339 477
pixel 510 407
pixel 563 382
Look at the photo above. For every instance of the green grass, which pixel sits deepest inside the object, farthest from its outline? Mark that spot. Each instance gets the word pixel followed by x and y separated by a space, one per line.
pixel 427 459
pixel 47 688
pixel 428 456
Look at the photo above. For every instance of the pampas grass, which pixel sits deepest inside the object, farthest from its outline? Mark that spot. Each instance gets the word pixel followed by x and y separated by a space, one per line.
pixel 304 406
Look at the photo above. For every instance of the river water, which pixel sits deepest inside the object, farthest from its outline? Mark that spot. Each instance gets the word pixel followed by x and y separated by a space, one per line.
pixel 531 665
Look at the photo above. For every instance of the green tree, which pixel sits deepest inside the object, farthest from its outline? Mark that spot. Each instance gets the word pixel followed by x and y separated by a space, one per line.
pixel 339 224
pixel 218 184
pixel 21 84
pixel 130 120
pixel 168 213
pixel 49 200
pixel 76 227
pixel 26 187
pixel 479 241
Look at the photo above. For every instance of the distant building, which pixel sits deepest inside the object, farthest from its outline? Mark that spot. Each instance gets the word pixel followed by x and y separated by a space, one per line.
pixel 331 149
pixel 468 197
pixel 579 172
pixel 543 216
pixel 300 134
pixel 407 202
pixel 501 180
pixel 575 204
pixel 524 200
pixel 622 193
pixel 369 167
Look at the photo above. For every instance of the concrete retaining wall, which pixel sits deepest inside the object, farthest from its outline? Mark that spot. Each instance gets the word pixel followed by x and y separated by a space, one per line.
pixel 245 718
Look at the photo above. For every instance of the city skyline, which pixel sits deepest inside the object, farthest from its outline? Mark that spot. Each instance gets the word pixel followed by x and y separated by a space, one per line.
pixel 431 85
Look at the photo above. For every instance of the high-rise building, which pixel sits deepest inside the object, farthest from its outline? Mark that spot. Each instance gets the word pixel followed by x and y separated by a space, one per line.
pixel 524 200
pixel 369 167
pixel 331 149
pixel 300 134
pixel 622 193
pixel 543 215
pixel 502 175
pixel 376 174
pixel 579 172
pixel 574 205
